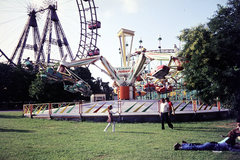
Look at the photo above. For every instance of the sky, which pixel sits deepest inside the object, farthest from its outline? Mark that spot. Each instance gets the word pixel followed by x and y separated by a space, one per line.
pixel 148 18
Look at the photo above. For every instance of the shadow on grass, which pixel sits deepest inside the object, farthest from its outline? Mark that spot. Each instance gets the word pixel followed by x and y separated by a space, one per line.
pixel 9 116
pixel 15 130
pixel 201 129
pixel 136 132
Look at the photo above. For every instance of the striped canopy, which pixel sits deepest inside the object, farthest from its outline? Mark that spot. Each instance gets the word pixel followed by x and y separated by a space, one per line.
pixel 159 56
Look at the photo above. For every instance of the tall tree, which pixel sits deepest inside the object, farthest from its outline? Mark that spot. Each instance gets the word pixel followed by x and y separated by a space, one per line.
pixel 225 26
pixel 212 54
pixel 199 68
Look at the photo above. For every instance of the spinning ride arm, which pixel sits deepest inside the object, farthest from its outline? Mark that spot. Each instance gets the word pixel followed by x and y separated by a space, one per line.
pixel 110 70
pixel 91 60
pixel 81 62
pixel 136 69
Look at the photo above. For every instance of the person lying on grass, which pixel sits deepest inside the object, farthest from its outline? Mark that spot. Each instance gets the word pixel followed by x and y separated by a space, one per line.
pixel 227 144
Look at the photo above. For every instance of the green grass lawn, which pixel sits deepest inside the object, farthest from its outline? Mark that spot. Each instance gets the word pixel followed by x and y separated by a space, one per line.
pixel 26 138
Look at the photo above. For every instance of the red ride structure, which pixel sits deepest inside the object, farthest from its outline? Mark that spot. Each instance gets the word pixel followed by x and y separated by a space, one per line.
pixel 160 72
pixel 149 87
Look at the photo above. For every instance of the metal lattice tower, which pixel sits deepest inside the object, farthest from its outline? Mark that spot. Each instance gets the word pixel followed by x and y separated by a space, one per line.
pixel 52 19
pixel 31 23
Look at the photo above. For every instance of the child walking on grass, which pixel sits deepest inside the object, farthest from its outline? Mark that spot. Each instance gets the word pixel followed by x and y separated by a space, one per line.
pixel 110 119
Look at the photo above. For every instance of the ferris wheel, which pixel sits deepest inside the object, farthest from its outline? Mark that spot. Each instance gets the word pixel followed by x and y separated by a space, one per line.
pixel 89 29
pixel 48 42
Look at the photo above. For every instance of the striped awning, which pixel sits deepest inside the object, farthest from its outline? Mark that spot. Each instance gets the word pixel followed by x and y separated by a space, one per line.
pixel 159 56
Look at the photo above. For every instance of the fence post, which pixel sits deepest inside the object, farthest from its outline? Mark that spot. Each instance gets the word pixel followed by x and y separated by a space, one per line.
pixel 23 110
pixel 159 106
pixel 31 109
pixel 219 105
pixel 50 110
pixel 80 108
pixel 194 105
pixel 119 109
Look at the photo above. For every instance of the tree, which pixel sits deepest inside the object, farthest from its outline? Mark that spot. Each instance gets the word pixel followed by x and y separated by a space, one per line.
pixel 86 75
pixel 199 68
pixel 97 85
pixel 5 82
pixel 212 54
pixel 14 82
pixel 225 26
pixel 83 73
pixel 107 90
pixel 21 80
pixel 47 91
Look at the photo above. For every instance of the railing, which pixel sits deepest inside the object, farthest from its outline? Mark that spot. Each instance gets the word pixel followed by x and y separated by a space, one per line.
pixel 76 109
pixel 47 109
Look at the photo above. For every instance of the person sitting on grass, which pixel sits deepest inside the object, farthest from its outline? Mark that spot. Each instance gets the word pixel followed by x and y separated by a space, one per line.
pixel 228 144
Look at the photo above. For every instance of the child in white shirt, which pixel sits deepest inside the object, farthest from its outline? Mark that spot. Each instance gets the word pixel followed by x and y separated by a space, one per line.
pixel 110 119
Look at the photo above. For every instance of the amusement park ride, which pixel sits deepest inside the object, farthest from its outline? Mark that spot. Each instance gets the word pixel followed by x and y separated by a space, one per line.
pixel 126 78
pixel 132 81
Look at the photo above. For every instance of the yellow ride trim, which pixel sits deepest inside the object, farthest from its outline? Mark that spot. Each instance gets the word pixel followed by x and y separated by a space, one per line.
pixel 200 107
pixel 40 109
pixel 91 108
pixel 139 107
pixel 106 108
pixel 65 108
pixel 177 106
pixel 211 106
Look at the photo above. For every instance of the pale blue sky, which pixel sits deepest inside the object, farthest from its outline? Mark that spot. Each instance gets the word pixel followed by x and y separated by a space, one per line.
pixel 148 18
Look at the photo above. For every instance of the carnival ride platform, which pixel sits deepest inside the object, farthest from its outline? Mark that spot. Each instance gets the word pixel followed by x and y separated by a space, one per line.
pixel 128 111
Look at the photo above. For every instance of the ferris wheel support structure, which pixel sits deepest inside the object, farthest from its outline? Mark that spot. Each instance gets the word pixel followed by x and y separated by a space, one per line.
pixel 61 40
pixel 23 39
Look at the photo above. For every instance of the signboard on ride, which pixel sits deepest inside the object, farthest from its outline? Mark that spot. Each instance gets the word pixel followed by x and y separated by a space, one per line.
pixel 123 71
